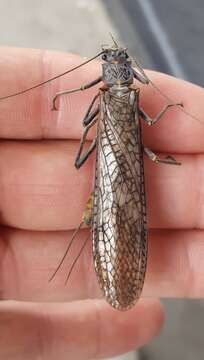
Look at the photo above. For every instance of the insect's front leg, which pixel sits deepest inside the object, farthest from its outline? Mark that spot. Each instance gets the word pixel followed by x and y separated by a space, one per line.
pixel 141 77
pixel 81 88
pixel 151 121
pixel 155 158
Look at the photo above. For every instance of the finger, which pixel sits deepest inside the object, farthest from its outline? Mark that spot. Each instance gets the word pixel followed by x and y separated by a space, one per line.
pixel 29 117
pixel 42 176
pixel 176 131
pixel 29 259
pixel 80 330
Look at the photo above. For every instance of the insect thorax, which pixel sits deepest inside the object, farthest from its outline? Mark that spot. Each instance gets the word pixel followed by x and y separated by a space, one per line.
pixel 120 73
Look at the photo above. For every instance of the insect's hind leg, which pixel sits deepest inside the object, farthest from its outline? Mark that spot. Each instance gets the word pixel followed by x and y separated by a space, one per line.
pixel 155 158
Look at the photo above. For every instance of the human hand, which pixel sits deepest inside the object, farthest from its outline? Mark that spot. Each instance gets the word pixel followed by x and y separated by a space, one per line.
pixel 42 200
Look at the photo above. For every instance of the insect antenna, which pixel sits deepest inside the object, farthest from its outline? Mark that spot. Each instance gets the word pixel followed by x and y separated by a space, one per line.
pixel 76 259
pixel 139 67
pixel 67 250
pixel 51 79
pixel 113 39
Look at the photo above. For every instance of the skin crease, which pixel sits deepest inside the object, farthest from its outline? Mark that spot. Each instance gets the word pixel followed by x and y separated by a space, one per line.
pixel 42 200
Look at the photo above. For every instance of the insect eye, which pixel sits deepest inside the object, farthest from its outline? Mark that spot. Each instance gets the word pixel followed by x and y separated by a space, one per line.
pixel 104 57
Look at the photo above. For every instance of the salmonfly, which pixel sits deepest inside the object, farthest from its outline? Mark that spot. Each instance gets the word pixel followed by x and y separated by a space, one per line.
pixel 116 210
pixel 118 206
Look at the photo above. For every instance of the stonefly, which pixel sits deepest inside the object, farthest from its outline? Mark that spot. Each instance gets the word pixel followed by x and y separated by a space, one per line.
pixel 117 207
pixel 116 210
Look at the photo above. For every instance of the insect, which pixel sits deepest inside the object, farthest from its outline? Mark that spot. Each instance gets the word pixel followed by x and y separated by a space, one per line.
pixel 116 211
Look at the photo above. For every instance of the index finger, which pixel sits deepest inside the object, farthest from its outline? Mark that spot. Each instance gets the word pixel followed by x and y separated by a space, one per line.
pixel 29 116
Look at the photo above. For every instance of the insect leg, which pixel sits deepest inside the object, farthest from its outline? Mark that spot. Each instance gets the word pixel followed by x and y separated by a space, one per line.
pixel 80 159
pixel 158 117
pixel 140 77
pixel 155 158
pixel 87 215
pixel 82 87
pixel 87 119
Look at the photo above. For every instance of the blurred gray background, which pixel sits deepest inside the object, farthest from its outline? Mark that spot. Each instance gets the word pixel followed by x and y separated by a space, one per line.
pixel 163 35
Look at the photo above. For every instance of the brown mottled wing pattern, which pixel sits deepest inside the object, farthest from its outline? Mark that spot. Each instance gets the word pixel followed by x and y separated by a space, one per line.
pixel 119 216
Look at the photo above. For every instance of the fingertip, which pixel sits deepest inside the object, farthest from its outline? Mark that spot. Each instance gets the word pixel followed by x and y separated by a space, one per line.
pixel 131 329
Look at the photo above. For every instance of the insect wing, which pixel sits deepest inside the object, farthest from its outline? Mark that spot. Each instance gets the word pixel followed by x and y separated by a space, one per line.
pixel 119 218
